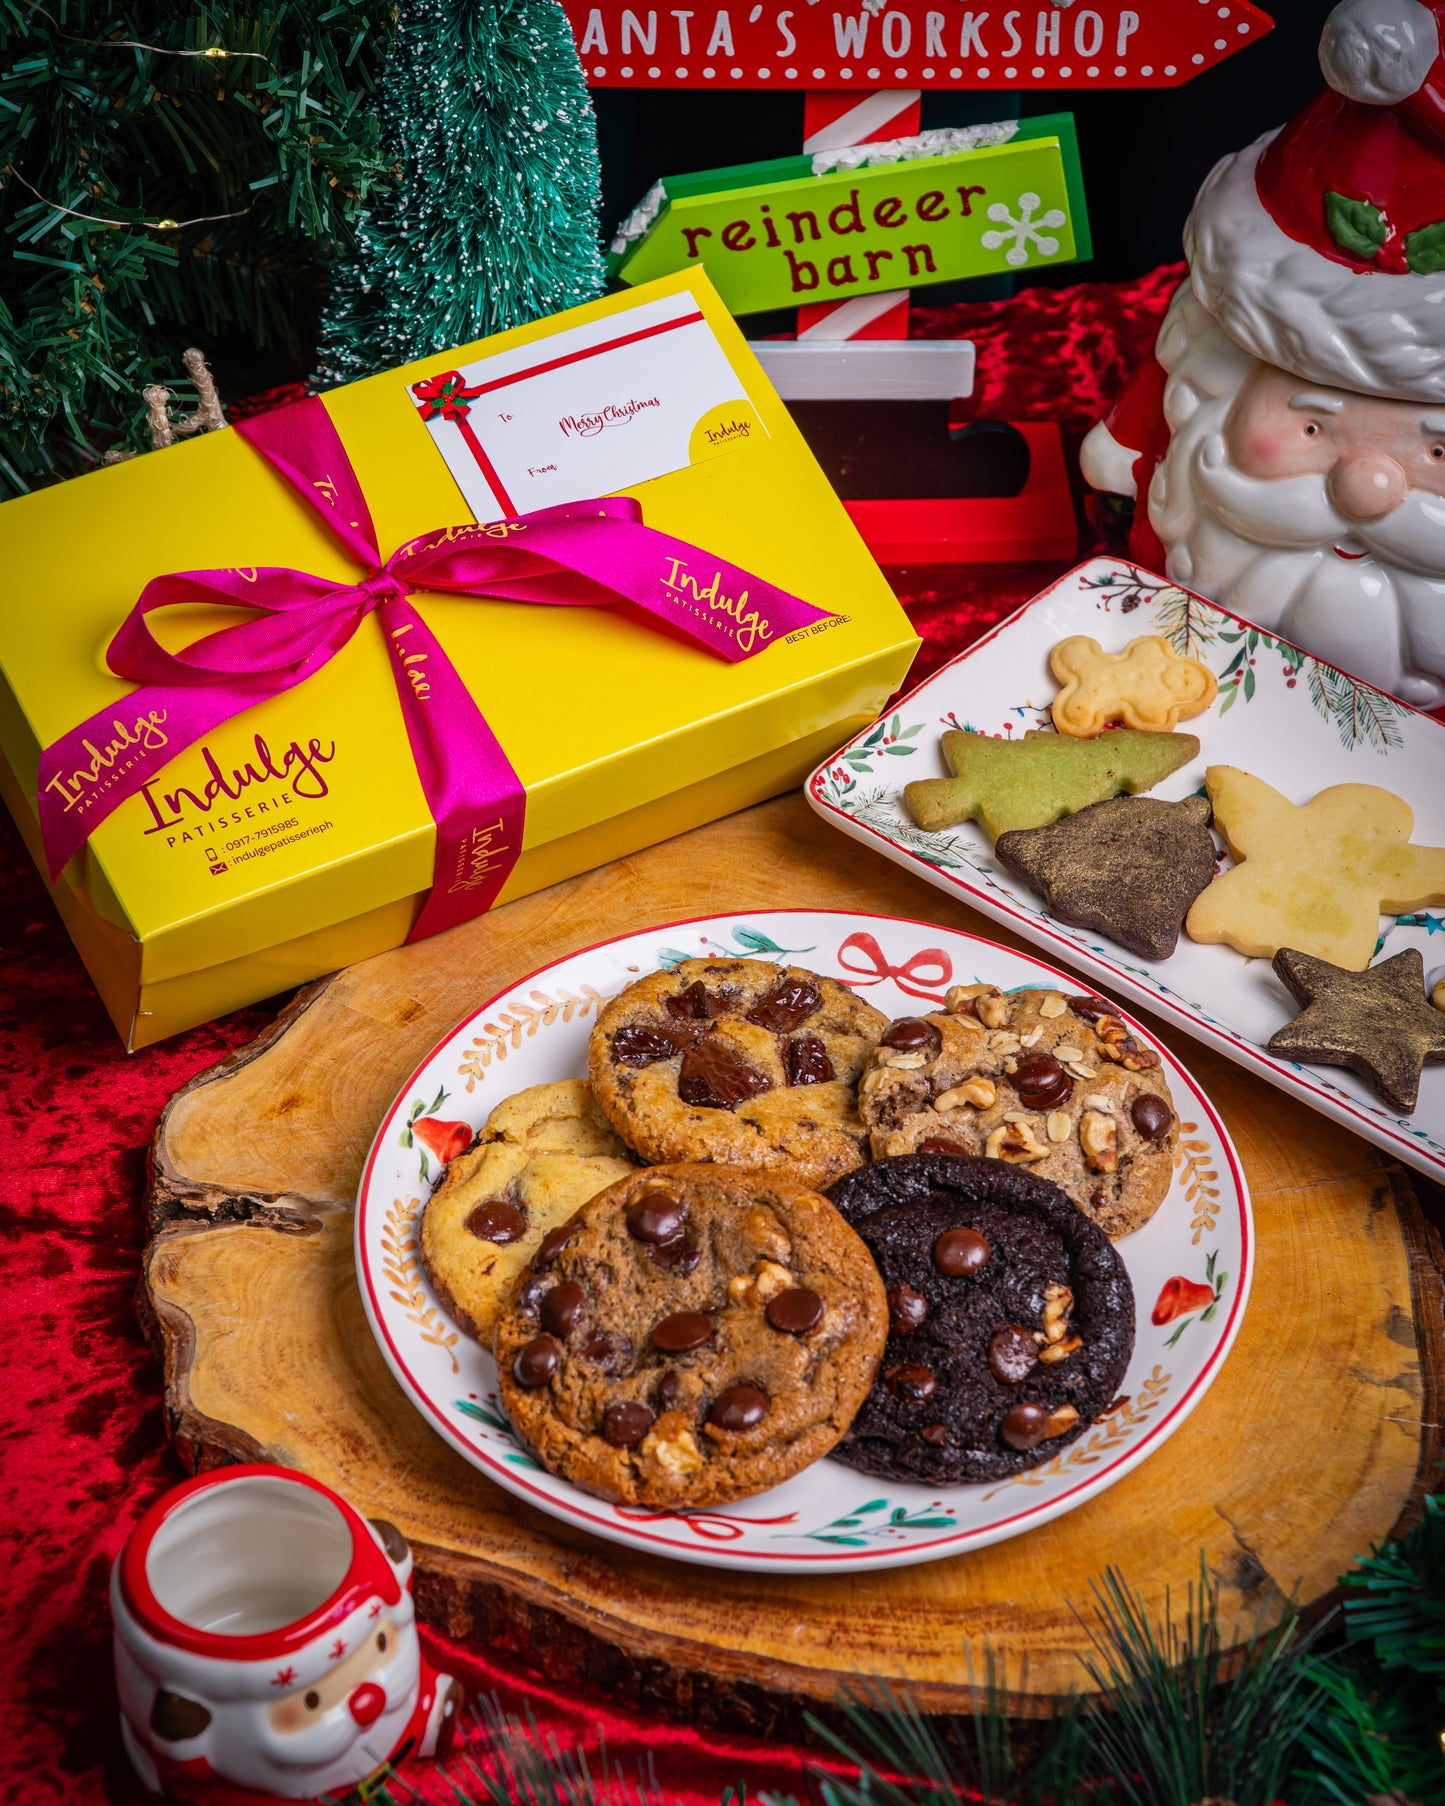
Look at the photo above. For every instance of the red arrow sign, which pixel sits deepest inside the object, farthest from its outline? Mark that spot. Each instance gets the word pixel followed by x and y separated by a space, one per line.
pixel 812 44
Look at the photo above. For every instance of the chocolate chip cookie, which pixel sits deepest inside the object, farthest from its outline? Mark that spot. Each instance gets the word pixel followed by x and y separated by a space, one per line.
pixel 1035 1079
pixel 1011 1319
pixel 693 1335
pixel 543 1152
pixel 738 1061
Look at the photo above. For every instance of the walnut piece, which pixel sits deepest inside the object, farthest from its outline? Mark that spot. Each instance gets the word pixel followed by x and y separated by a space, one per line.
pixel 986 1003
pixel 671 1445
pixel 1060 1351
pixel 765 1281
pixel 1014 1142
pixel 1061 1418
pixel 1117 1044
pixel 1099 1135
pixel 764 1232
pixel 1058 1302
pixel 981 1093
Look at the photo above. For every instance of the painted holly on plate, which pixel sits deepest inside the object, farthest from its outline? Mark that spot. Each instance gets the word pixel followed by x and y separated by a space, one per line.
pixel 1297 723
pixel 829 1516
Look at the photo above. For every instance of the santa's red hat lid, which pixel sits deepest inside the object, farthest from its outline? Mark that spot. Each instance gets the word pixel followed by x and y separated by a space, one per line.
pixel 272 1552
pixel 1321 248
pixel 1359 175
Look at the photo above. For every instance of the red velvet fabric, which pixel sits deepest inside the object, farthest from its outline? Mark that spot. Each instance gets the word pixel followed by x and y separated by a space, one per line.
pixel 84 1448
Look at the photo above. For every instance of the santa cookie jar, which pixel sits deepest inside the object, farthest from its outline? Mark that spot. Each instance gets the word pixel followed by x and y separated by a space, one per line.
pixel 1290 432
pixel 266 1646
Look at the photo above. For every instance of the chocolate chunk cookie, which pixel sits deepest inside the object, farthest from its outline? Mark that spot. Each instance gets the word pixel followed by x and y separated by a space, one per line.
pixel 1035 1079
pixel 1011 1319
pixel 693 1335
pixel 543 1152
pixel 738 1061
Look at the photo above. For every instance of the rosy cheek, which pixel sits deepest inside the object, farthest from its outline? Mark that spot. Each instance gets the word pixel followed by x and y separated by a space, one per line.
pixel 1264 447
pixel 286 1718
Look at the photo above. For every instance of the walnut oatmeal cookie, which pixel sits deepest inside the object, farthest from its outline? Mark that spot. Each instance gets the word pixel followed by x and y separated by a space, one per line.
pixel 695 1334
pixel 542 1153
pixel 738 1061
pixel 1040 1079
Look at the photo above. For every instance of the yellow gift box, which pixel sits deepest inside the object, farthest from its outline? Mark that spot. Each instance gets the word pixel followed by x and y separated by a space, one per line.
pixel 321 851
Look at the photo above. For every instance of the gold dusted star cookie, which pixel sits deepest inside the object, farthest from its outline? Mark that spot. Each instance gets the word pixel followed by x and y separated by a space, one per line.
pixel 1317 877
pixel 1379 1022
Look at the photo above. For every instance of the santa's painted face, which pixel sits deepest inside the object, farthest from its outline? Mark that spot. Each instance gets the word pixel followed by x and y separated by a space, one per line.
pixel 313 1725
pixel 1371 454
pixel 1317 513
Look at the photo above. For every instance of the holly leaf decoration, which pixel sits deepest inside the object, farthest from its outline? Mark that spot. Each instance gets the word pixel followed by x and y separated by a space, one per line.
pixel 1355 226
pixel 1425 249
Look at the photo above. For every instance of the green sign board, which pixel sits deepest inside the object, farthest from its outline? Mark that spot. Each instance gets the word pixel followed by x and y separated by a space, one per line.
pixel 777 235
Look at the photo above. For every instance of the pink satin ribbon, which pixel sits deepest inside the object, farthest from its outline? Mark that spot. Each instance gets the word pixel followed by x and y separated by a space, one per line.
pixel 929 966
pixel 584 554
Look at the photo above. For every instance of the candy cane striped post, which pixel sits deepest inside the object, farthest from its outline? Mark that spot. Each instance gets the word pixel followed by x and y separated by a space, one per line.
pixel 834 120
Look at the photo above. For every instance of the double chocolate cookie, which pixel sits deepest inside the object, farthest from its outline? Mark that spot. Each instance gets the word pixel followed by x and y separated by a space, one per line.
pixel 1011 1319
pixel 1034 1079
pixel 694 1334
pixel 737 1061
pixel 543 1152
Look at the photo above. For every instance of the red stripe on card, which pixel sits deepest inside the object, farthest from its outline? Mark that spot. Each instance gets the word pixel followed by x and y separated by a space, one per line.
pixel 576 357
pixel 486 466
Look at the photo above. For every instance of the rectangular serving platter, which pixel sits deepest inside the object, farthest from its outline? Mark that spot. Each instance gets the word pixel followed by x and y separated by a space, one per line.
pixel 1299 724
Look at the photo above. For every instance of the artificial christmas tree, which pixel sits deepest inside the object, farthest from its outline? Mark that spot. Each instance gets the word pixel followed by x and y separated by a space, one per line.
pixel 174 175
pixel 494 222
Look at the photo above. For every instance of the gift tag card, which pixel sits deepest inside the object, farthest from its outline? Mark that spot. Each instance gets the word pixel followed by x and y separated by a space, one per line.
pixel 589 410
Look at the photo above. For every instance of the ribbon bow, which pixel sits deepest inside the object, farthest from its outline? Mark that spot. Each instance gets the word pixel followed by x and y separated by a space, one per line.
pixel 584 554
pixel 929 966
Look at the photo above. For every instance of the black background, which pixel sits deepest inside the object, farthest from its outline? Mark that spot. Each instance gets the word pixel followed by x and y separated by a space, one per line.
pixel 1144 152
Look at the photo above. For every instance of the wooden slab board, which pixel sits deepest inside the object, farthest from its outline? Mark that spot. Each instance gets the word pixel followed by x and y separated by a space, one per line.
pixel 1316 1440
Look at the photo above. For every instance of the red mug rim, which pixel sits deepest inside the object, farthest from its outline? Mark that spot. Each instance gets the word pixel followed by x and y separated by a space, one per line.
pixel 369 1573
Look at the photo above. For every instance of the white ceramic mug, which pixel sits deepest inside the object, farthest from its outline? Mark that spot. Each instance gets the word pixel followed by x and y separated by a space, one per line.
pixel 266 1646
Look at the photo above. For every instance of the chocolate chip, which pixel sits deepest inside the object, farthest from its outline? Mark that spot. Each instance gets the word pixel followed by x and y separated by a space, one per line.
pixel 1024 1427
pixel 795 1311
pixel 938 1144
pixel 1042 1083
pixel 1151 1116
pixel 1012 1354
pixel 696 1004
pixel 612 1352
pixel 786 1006
pixel 910 1380
pixel 808 1062
pixel 712 1078
pixel 657 1216
pixel 936 1434
pixel 497 1221
pixel 1090 1008
pixel 910 1032
pixel 678 1256
pixel 563 1306
pixel 536 1362
pixel 625 1425
pixel 553 1243
pixel 739 1408
pixel 668 1388
pixel 635 1044
pixel 907 1309
pixel 681 1331
pixel 961 1251
pixel 530 1297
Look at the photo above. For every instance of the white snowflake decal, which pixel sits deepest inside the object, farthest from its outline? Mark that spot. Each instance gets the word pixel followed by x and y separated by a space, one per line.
pixel 1024 231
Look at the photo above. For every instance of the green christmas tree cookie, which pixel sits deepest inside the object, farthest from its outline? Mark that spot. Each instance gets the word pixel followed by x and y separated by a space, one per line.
pixel 1028 783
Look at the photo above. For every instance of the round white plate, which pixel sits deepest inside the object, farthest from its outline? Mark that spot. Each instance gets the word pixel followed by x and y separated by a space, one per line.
pixel 1190 1266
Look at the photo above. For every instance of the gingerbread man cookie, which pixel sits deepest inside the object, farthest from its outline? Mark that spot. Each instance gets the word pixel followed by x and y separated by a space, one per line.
pixel 1147 685
pixel 1316 878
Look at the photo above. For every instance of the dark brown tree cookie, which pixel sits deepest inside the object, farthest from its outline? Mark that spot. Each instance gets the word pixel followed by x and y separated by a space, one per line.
pixel 1025 1330
pixel 1378 1022
pixel 701 1334
pixel 1128 868
pixel 740 1061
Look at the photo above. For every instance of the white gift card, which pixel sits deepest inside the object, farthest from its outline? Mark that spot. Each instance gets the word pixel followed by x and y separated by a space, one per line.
pixel 589 410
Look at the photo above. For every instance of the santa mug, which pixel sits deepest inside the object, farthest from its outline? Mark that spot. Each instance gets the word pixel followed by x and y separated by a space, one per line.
pixel 266 1646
